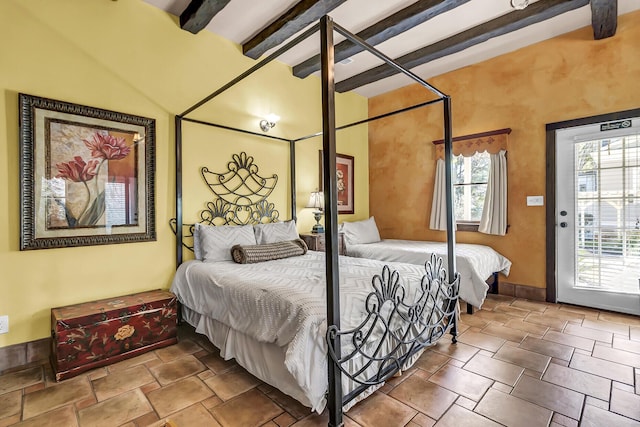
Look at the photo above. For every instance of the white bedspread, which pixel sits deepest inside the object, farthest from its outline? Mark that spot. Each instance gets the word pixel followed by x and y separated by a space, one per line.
pixel 475 263
pixel 283 302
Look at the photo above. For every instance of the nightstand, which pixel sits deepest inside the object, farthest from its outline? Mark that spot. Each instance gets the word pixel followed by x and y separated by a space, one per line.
pixel 315 242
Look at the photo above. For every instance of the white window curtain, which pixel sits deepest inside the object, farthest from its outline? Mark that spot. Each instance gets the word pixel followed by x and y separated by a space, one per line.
pixel 494 212
pixel 439 204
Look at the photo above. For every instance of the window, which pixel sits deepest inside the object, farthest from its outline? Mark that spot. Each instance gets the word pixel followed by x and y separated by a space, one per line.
pixel 470 178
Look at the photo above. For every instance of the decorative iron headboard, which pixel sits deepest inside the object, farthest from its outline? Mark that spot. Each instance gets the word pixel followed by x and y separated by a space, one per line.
pixel 240 197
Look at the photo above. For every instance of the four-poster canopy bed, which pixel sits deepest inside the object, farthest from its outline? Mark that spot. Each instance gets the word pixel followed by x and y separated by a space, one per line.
pixel 401 308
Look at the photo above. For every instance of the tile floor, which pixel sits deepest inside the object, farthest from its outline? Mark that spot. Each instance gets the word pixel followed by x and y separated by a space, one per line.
pixel 517 363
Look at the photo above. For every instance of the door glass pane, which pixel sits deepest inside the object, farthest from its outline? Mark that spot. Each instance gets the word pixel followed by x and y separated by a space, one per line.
pixel 607 210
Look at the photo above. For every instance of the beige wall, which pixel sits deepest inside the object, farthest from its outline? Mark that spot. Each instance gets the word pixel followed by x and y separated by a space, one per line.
pixel 564 78
pixel 133 58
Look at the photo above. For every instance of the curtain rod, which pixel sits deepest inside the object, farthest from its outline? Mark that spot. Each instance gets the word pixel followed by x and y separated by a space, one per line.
pixel 506 131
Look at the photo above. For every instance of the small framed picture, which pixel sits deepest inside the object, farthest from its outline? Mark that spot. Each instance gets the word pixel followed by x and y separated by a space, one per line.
pixel 344 177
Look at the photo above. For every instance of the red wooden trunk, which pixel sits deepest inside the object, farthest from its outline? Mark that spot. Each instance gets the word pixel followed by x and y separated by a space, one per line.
pixel 97 333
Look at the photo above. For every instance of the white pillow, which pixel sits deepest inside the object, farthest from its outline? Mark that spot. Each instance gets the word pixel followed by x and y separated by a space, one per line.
pixel 359 232
pixel 275 232
pixel 215 242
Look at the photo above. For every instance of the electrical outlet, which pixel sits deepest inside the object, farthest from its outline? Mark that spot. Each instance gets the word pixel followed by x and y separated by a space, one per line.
pixel 4 324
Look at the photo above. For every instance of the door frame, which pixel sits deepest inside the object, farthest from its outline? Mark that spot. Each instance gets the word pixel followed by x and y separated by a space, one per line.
pixel 551 216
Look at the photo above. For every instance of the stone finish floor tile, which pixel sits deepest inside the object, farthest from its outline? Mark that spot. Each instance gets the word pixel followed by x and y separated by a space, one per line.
pixel 604 368
pixel 480 340
pixel 529 327
pixel 115 411
pixel 579 381
pixel 598 417
pixel 195 415
pixel 624 319
pixel 495 369
pixel 525 358
pixel 424 396
pixel 615 355
pixel 177 369
pixel 550 322
pixel 503 332
pixel 63 417
pixel 380 410
pixel 252 408
pixel 458 416
pixel 559 399
pixel 615 328
pixel 56 396
pixel 626 345
pixel 463 382
pixel 570 340
pixel 121 381
pixel 11 404
pixel 20 379
pixel 457 351
pixel 230 384
pixel 185 374
pixel 178 395
pixel 512 411
pixel 431 361
pixel 625 403
pixel 589 333
pixel 183 348
pixel 549 348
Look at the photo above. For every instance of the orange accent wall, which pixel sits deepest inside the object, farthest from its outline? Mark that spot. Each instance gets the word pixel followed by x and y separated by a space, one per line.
pixel 563 78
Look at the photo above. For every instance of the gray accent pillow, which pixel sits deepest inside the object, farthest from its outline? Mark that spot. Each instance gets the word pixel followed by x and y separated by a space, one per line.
pixel 275 232
pixel 259 253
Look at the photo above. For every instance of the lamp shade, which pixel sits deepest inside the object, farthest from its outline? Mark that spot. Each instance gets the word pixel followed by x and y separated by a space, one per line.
pixel 316 200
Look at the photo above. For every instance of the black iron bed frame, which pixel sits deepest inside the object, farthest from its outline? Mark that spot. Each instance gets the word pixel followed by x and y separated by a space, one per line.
pixel 386 286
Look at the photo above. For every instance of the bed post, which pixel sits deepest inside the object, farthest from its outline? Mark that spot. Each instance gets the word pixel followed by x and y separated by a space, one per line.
pixel 451 225
pixel 178 130
pixel 334 397
pixel 292 177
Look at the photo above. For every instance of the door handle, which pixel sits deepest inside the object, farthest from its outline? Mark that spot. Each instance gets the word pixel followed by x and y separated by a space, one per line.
pixel 563 213
pixel 563 224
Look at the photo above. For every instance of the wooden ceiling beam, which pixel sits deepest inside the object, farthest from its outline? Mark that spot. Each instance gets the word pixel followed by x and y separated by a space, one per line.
pixel 199 13
pixel 401 21
pixel 534 13
pixel 295 19
pixel 604 18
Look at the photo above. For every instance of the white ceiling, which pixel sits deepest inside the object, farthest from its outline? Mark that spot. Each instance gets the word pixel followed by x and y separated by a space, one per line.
pixel 241 19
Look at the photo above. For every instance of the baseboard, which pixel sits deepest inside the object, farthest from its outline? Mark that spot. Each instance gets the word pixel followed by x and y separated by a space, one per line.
pixel 522 291
pixel 17 355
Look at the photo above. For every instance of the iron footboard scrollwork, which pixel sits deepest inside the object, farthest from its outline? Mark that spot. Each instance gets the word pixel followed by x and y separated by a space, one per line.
pixel 398 323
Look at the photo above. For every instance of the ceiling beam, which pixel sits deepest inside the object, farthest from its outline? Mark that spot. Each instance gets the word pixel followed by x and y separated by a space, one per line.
pixel 534 13
pixel 604 18
pixel 401 21
pixel 199 13
pixel 295 19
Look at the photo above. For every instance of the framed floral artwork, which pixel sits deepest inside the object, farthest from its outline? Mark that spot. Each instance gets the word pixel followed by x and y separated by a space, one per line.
pixel 344 177
pixel 86 175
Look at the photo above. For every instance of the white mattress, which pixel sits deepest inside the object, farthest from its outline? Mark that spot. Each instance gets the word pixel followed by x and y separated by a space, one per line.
pixel 475 263
pixel 282 303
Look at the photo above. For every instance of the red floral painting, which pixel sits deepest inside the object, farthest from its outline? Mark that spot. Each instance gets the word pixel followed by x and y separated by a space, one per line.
pixel 87 175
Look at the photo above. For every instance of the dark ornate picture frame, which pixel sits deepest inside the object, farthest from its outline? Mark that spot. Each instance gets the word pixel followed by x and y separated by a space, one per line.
pixel 345 177
pixel 87 175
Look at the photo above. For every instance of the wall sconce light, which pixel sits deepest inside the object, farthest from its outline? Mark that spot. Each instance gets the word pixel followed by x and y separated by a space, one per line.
pixel 316 201
pixel 519 4
pixel 269 122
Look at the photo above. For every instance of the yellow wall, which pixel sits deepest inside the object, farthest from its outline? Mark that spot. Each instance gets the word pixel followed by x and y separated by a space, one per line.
pixel 130 57
pixel 564 78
